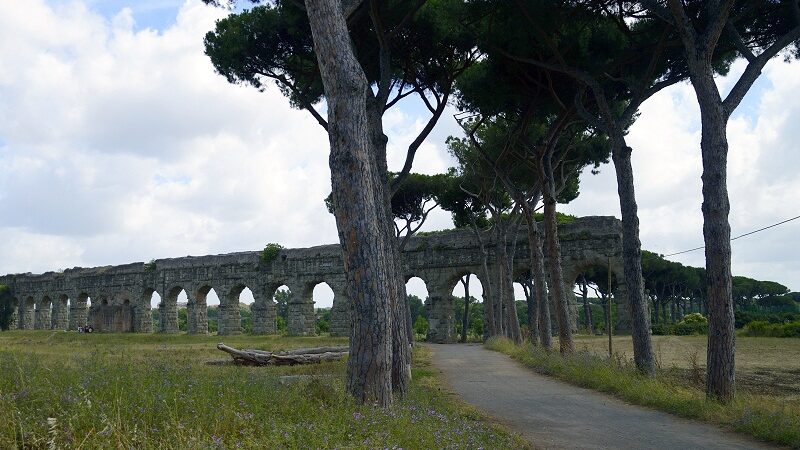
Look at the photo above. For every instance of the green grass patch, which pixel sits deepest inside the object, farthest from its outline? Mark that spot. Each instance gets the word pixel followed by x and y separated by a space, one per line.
pixel 69 390
pixel 763 417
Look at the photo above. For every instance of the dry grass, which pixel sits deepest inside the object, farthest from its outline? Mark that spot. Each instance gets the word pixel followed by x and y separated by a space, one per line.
pixel 66 390
pixel 763 365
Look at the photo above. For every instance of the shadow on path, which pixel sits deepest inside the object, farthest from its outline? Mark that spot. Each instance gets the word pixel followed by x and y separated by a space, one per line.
pixel 552 414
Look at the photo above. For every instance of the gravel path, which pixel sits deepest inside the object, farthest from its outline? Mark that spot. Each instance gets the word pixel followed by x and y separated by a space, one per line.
pixel 552 414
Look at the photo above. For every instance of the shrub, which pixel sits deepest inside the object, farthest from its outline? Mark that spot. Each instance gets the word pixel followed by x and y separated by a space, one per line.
pixel 270 253
pixel 421 326
pixel 764 328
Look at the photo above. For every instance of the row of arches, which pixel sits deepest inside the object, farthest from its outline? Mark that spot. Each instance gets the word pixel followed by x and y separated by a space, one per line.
pixel 233 309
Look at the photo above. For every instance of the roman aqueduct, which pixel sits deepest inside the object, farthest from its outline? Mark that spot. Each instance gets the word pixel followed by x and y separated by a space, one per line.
pixel 121 295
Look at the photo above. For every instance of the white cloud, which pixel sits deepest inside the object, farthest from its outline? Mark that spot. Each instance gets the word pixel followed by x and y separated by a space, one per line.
pixel 762 182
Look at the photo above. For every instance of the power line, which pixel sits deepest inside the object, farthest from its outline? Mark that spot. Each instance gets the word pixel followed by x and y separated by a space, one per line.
pixel 740 236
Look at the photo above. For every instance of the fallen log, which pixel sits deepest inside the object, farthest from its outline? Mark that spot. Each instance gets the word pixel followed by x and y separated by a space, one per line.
pixel 250 357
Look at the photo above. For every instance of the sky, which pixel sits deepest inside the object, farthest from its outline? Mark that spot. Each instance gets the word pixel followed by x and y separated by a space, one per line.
pixel 119 143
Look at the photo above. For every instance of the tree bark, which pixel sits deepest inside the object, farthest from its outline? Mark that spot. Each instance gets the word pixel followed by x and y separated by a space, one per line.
pixel 554 261
pixel 465 319
pixel 721 381
pixel 545 326
pixel 402 328
pixel 587 310
pixel 631 244
pixel 359 214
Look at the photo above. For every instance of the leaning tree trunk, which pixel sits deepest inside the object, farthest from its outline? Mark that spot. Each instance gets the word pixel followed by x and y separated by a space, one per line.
pixel 632 256
pixel 365 249
pixel 721 382
pixel 509 301
pixel 540 284
pixel 554 260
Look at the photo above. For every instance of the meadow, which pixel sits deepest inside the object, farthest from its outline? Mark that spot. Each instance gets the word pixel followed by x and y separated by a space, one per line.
pixel 69 390
pixel 767 405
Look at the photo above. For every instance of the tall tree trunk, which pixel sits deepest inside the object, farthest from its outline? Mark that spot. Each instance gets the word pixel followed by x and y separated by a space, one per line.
pixel 498 303
pixel 721 382
pixel 488 288
pixel 402 331
pixel 587 310
pixel 359 214
pixel 533 311
pixel 465 318
pixel 632 255
pixel 544 327
pixel 556 277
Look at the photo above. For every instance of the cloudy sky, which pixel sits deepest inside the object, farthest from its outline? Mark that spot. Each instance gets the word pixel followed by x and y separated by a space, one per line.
pixel 119 143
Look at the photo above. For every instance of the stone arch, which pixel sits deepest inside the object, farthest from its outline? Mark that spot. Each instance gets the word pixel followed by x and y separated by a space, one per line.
pixel 14 323
pixel 263 309
pixel 27 313
pixel 78 310
pixel 43 313
pixel 341 310
pixel 230 319
pixel 439 306
pixel 60 317
pixel 301 318
pixel 143 311
pixel 168 309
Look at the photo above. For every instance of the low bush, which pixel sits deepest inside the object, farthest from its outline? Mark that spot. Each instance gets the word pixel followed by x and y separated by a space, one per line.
pixel 764 328
pixel 692 324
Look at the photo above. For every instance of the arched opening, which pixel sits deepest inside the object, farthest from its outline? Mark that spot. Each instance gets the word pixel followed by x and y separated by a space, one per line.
pixel 468 308
pixel 246 300
pixel 155 301
pixel 417 296
pixel 193 312
pixel 282 297
pixel 323 296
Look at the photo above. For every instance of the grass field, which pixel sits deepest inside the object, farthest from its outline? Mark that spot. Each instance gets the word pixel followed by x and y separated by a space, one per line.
pixel 767 405
pixel 763 365
pixel 69 390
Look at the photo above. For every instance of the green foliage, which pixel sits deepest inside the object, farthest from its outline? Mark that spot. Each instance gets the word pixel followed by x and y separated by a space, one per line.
pixel 764 328
pixel 420 326
pixel 270 253
pixel 475 319
pixel 150 266
pixel 416 307
pixel 323 320
pixel 760 416
pixel 691 324
pixel 282 298
pixel 745 317
pixel 7 307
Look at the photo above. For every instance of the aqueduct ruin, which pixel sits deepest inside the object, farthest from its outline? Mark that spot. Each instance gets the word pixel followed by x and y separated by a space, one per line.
pixel 121 295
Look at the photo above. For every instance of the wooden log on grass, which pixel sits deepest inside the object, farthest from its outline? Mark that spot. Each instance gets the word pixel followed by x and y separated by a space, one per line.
pixel 250 357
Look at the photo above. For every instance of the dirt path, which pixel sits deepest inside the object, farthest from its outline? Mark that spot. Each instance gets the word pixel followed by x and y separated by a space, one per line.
pixel 552 414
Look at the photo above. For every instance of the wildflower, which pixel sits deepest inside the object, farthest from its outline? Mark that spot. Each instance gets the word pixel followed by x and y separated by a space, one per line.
pixel 356 416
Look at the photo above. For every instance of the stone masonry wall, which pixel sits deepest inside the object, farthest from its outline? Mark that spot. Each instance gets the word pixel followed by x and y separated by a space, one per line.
pixel 58 300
